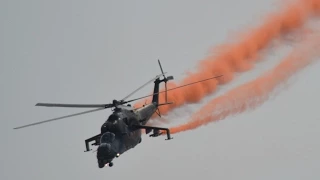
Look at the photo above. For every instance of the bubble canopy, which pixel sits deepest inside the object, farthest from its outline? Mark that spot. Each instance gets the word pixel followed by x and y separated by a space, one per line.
pixel 107 137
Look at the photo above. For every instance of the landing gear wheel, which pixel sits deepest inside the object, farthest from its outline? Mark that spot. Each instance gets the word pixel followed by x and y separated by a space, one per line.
pixel 110 164
pixel 140 140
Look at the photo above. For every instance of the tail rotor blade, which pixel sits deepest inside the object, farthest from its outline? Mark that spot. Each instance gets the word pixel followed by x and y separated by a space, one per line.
pixel 165 84
pixel 165 80
pixel 161 68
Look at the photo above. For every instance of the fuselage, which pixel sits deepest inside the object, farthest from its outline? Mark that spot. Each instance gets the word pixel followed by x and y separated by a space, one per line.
pixel 118 134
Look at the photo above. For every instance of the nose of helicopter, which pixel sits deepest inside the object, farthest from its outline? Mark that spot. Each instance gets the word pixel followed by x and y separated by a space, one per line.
pixel 105 154
pixel 104 150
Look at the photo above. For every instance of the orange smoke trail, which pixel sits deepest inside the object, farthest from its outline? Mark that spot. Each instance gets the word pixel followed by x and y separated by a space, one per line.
pixel 239 56
pixel 253 94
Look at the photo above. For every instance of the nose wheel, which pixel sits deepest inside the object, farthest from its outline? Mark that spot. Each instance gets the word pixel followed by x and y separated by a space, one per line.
pixel 110 164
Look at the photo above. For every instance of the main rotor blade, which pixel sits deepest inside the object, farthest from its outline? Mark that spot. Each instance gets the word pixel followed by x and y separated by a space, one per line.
pixel 151 80
pixel 75 105
pixel 174 88
pixel 54 119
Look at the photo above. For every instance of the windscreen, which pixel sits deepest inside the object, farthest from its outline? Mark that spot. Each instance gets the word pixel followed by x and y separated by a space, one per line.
pixel 107 137
pixel 113 117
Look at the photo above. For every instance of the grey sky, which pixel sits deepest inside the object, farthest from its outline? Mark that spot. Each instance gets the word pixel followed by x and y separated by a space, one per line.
pixel 95 51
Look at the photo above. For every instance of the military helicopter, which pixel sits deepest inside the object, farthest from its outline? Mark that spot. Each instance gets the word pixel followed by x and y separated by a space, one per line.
pixel 122 130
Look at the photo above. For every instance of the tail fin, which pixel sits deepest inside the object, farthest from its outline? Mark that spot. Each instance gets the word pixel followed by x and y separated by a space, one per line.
pixel 155 98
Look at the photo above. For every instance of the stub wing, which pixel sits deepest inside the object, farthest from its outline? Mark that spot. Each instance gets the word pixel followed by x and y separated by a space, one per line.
pixel 156 130
pixel 95 138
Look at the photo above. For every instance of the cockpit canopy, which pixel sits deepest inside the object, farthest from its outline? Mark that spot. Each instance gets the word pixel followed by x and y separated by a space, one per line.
pixel 113 117
pixel 107 137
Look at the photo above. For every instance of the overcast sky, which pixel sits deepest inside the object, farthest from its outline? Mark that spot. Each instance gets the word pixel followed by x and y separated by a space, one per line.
pixel 96 51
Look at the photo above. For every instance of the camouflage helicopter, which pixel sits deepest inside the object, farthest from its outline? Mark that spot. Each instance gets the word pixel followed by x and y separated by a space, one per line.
pixel 122 130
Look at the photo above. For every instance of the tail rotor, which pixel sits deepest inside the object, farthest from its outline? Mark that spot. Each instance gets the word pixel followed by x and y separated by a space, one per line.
pixel 165 79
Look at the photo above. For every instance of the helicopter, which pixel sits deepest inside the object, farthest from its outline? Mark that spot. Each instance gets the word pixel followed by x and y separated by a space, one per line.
pixel 122 130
